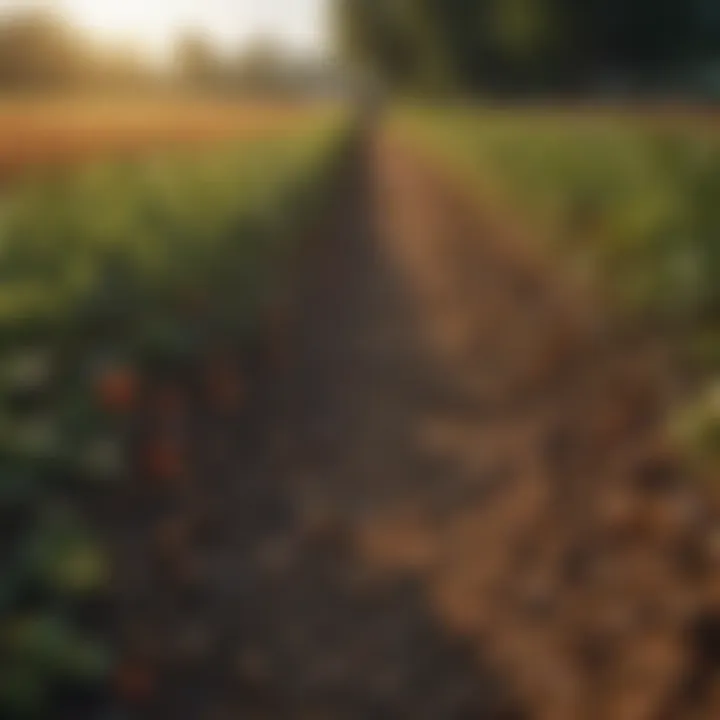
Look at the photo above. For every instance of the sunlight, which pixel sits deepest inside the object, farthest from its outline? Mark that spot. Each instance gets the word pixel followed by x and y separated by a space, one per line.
pixel 151 22
pixel 154 23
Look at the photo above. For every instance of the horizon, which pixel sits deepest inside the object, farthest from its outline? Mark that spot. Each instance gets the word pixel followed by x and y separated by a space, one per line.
pixel 299 25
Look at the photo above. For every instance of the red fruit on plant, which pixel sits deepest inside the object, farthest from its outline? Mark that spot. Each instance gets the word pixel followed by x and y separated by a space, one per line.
pixel 117 390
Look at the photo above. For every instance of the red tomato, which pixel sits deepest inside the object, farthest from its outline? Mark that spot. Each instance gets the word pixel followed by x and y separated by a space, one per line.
pixel 117 390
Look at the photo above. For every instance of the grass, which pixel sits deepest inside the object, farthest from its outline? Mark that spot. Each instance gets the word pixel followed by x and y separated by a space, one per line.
pixel 122 269
pixel 639 204
pixel 631 200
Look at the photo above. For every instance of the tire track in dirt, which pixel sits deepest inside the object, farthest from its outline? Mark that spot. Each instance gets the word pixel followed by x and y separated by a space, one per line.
pixel 454 502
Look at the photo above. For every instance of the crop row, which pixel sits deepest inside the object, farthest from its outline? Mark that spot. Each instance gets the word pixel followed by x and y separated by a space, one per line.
pixel 629 202
pixel 121 270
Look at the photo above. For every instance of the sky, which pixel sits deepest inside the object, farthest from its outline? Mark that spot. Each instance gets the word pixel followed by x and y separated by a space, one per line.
pixel 299 23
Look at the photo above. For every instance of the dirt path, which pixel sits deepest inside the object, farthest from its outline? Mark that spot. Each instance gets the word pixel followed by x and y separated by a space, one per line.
pixel 456 506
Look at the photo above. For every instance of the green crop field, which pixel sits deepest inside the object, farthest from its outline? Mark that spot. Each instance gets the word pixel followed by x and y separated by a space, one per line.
pixel 629 201
pixel 110 273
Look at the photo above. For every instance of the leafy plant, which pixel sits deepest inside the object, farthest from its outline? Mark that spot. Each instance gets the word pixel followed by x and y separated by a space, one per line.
pixel 119 269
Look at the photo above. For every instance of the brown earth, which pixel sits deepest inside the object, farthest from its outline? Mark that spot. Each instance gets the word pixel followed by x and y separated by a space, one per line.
pixel 449 496
pixel 45 138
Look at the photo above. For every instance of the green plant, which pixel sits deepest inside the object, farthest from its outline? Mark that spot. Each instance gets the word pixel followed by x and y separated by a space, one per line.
pixel 119 269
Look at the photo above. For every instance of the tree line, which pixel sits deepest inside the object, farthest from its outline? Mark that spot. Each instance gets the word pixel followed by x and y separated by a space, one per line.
pixel 41 51
pixel 511 47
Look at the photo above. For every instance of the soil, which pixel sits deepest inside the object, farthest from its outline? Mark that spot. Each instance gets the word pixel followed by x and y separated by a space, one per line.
pixel 446 494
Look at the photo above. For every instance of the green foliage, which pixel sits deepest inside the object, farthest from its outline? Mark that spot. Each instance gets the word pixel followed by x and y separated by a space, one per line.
pixel 121 265
pixel 520 46
pixel 636 206
pixel 639 205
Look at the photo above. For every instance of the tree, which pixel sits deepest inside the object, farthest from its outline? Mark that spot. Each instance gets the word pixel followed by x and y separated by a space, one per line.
pixel 197 64
pixel 38 50
pixel 524 45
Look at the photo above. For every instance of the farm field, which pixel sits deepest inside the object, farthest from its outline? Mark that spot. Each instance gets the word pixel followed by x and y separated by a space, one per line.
pixel 302 421
pixel 359 360
pixel 120 273
pixel 37 135
pixel 626 200
pixel 631 198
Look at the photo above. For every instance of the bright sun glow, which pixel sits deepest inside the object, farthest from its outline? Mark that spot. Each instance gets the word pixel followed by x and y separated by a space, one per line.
pixel 152 22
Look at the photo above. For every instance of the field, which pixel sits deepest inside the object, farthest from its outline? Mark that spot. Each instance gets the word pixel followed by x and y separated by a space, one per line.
pixel 298 421
pixel 162 237
pixel 627 201
pixel 38 135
